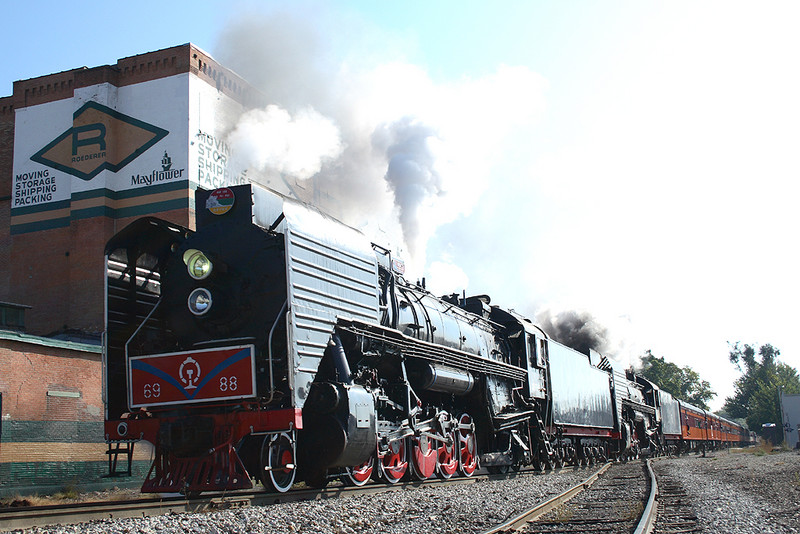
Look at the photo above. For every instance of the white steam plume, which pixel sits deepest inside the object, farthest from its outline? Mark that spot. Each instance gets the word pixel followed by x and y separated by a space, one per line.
pixel 271 140
pixel 395 152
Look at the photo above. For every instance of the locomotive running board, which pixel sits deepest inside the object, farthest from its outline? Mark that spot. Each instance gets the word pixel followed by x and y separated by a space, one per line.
pixel 423 350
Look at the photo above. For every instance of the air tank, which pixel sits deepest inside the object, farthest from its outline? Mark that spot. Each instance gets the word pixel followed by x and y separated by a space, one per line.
pixel 436 377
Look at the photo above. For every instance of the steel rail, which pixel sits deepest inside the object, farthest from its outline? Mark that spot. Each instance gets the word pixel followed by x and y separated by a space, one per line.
pixel 54 514
pixel 648 521
pixel 516 523
pixel 63 514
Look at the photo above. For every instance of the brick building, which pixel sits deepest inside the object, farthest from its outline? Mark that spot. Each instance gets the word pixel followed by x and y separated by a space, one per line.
pixel 83 153
pixel 52 416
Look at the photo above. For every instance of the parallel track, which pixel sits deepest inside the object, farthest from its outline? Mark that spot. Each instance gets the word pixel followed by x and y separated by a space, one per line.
pixel 520 521
pixel 675 513
pixel 617 502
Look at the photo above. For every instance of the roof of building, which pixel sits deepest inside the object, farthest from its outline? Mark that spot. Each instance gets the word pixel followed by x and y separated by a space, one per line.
pixel 10 335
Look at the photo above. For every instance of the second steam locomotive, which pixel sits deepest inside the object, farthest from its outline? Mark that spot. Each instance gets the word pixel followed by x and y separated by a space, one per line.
pixel 276 343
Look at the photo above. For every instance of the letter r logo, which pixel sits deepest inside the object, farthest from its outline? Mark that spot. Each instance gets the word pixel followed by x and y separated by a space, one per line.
pixel 99 139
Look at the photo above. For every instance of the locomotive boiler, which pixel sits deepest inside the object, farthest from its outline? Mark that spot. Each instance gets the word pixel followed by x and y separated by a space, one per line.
pixel 275 343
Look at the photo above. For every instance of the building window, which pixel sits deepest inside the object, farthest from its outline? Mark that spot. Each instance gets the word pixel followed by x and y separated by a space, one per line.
pixel 12 316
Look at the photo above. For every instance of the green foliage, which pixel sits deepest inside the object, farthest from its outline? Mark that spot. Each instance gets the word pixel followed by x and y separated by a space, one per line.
pixel 756 395
pixel 683 383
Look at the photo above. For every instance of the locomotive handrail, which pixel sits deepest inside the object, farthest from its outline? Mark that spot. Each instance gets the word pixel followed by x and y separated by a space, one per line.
pixel 269 352
pixel 144 321
pixel 639 406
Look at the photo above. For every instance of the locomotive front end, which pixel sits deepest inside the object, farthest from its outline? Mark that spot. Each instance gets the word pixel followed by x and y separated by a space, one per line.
pixel 219 342
pixel 196 348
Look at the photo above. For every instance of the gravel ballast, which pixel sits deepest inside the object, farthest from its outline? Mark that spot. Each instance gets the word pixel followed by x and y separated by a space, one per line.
pixel 733 492
pixel 741 492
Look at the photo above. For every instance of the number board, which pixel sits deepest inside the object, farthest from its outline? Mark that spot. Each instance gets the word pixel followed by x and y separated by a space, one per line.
pixel 189 377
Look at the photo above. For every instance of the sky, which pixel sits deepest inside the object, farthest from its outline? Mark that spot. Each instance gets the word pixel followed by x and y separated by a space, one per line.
pixel 633 162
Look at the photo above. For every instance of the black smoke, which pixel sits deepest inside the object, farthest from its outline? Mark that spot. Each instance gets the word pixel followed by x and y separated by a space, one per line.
pixel 577 330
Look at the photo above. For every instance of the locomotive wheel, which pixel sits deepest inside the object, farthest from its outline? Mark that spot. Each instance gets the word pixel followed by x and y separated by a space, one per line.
pixel 394 462
pixel 538 464
pixel 277 462
pixel 423 457
pixel 360 474
pixel 559 459
pixel 448 459
pixel 467 446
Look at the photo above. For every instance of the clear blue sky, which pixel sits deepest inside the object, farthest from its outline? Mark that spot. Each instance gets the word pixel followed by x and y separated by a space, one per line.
pixel 638 161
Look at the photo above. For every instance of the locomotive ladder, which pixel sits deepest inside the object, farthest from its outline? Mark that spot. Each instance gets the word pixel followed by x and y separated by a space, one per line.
pixel 115 448
pixel 545 447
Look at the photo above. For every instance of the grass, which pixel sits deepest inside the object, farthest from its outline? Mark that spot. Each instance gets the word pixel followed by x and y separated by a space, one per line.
pixel 762 449
pixel 70 492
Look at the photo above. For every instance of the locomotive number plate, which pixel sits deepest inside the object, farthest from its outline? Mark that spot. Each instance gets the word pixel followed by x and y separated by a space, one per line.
pixel 189 377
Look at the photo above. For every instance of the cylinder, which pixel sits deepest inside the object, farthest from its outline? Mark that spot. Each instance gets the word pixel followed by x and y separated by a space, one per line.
pixel 443 379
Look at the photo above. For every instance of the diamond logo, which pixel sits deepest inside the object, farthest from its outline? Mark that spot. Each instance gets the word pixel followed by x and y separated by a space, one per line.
pixel 100 138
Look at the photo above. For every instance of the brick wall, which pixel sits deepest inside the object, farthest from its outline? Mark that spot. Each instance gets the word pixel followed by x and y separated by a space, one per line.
pixel 39 278
pixel 52 418
pixel 49 381
pixel 137 69
pixel 6 145
pixel 6 166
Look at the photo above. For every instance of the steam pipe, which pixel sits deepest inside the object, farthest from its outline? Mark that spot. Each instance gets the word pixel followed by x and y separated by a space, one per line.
pixel 339 360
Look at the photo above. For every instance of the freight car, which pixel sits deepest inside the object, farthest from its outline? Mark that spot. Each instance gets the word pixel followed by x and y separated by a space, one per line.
pixel 276 343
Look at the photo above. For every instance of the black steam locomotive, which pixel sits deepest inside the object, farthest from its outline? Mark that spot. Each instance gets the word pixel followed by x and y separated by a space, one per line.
pixel 277 343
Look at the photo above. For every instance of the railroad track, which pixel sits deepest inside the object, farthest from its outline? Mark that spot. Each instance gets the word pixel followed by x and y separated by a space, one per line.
pixel 619 502
pixel 27 517
pixel 675 513
pixel 612 500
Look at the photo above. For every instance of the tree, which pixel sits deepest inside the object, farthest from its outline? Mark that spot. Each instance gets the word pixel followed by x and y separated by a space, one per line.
pixel 682 383
pixel 756 395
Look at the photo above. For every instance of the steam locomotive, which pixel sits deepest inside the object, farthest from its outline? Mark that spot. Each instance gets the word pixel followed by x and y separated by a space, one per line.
pixel 276 343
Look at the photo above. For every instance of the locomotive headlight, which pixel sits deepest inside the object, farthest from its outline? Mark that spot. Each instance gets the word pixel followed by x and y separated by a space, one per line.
pixel 197 263
pixel 200 301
